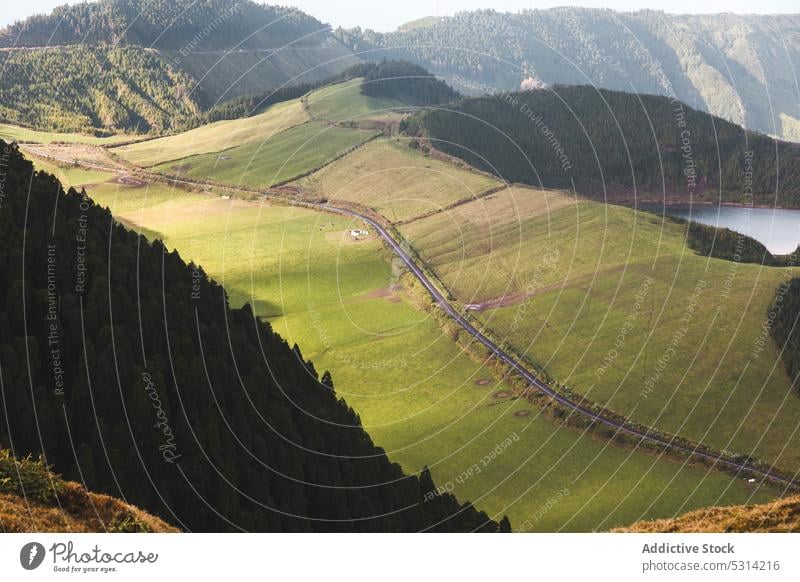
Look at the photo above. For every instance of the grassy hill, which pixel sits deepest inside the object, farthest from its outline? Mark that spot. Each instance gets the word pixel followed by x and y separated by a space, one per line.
pixel 287 141
pixel 33 499
pixel 776 517
pixel 154 66
pixel 613 304
pixel 738 67
pixel 277 159
pixel 398 183
pixel 345 102
pixel 216 137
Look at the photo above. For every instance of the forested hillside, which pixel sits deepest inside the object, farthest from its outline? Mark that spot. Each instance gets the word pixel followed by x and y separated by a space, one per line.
pixel 615 146
pixel 165 24
pixel 406 82
pixel 740 67
pixel 152 65
pixel 128 370
pixel 88 89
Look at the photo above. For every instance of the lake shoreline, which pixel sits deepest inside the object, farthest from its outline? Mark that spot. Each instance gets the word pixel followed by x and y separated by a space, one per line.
pixel 778 229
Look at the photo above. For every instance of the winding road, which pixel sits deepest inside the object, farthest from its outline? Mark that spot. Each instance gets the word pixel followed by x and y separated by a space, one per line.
pixel 526 374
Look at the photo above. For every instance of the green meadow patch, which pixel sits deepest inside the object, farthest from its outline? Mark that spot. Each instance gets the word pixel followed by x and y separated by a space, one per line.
pixel 216 137
pixel 613 304
pixel 275 160
pixel 387 176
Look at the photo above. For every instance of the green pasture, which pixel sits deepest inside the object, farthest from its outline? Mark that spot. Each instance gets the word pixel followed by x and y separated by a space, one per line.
pixel 216 137
pixel 613 304
pixel 275 160
pixel 390 178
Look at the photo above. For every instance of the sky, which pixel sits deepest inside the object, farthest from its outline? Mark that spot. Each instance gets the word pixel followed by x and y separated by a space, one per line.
pixel 382 15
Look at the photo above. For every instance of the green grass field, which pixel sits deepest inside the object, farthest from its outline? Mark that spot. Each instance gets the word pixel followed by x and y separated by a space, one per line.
pixel 395 181
pixel 216 137
pixel 418 395
pixel 278 159
pixel 613 304
pixel 25 135
pixel 344 102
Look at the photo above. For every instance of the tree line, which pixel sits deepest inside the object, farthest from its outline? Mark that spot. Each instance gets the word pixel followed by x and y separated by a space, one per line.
pixel 612 144
pixel 167 25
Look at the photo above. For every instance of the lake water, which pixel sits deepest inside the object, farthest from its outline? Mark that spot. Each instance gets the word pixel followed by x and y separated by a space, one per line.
pixel 777 229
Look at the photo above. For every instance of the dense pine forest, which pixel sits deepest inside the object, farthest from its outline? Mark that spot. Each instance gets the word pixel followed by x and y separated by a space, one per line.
pixel 408 83
pixel 783 321
pixel 155 65
pixel 94 90
pixel 126 367
pixel 165 24
pixel 615 146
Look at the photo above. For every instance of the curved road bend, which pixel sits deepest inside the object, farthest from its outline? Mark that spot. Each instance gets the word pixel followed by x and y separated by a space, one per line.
pixel 529 376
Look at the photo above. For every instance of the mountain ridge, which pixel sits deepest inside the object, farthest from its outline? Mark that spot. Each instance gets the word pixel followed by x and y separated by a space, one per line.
pixel 154 65
pixel 736 67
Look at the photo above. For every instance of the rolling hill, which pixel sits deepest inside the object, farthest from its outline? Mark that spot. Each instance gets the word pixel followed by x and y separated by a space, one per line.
pixel 777 517
pixel 124 366
pixel 739 67
pixel 154 65
pixel 615 146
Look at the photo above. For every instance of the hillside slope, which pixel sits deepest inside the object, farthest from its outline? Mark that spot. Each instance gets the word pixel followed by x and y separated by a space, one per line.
pixel 159 62
pixel 126 368
pixel 778 516
pixel 739 67
pixel 33 499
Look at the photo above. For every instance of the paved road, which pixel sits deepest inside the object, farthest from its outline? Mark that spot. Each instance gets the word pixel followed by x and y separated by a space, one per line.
pixel 532 379
pixel 499 353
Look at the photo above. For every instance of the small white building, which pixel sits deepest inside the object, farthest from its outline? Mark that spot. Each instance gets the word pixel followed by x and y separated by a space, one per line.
pixel 359 233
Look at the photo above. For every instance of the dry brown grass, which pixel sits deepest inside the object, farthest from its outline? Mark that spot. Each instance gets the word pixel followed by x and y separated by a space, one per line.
pixel 34 499
pixel 79 512
pixel 782 515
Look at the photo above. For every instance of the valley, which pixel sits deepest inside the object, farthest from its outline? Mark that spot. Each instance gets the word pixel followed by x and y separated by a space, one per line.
pixel 354 311
pixel 260 273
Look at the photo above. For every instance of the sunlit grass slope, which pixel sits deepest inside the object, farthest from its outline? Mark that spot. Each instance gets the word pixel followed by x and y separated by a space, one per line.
pixel 216 137
pixel 612 303
pixel 345 102
pixel 261 164
pixel 397 182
